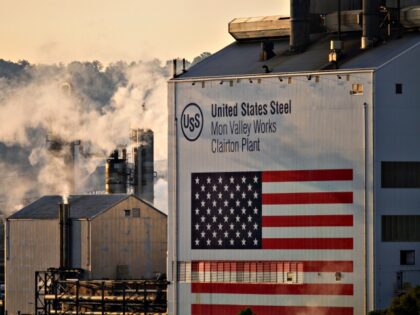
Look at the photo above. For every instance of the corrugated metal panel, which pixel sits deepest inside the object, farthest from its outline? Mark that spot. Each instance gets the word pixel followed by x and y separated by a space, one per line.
pixel 32 245
pixel 139 243
pixel 81 206
pixel 243 58
pixel 397 131
pixel 328 130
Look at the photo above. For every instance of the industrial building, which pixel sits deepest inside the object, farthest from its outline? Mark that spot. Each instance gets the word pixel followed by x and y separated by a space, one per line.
pixel 103 237
pixel 132 171
pixel 294 168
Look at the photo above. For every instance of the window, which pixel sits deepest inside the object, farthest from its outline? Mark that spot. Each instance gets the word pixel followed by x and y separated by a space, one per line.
pixel 400 174
pixel 242 272
pixel 407 257
pixel 127 212
pixel 398 88
pixel 401 228
pixel 357 89
pixel 136 212
pixel 184 271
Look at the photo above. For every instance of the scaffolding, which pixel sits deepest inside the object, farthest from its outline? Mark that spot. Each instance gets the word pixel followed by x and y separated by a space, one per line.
pixel 63 291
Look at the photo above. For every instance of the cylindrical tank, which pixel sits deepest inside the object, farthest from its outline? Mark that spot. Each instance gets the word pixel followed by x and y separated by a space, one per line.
pixel 142 140
pixel 371 21
pixel 328 6
pixel 116 174
pixel 299 24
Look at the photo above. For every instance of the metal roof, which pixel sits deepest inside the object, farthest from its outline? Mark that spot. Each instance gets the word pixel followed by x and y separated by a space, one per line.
pixel 81 206
pixel 242 58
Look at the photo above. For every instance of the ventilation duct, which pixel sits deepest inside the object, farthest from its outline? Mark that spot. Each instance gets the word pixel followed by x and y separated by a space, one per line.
pixel 299 25
pixel 259 27
pixel 65 236
pixel 370 22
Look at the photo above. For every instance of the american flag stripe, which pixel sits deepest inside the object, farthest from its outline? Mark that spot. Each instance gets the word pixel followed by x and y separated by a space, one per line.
pixel 314 231
pixel 307 243
pixel 286 300
pixel 307 232
pixel 213 309
pixel 307 198
pixel 307 266
pixel 273 288
pixel 308 175
pixel 278 254
pixel 301 187
pixel 307 220
pixel 308 277
pixel 322 209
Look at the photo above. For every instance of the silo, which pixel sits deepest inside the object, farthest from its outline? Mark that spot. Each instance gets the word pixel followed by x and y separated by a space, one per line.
pixel 142 142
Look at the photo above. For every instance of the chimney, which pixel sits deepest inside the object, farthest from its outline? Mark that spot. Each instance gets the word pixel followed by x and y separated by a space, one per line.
pixel 370 22
pixel 299 25
pixel 142 141
pixel 65 236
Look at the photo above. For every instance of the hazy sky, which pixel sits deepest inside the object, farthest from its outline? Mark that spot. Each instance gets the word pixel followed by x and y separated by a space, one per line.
pixel 50 31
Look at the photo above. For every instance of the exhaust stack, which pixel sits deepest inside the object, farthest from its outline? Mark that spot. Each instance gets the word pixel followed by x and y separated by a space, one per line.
pixel 65 236
pixel 370 23
pixel 299 25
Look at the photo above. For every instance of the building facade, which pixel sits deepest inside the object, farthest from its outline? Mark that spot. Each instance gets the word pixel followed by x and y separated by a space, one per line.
pixel 111 237
pixel 294 186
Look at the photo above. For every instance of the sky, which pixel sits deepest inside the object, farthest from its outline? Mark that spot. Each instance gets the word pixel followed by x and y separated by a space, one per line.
pixel 53 31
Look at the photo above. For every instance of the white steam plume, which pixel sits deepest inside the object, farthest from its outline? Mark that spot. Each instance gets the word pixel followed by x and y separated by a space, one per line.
pixel 41 105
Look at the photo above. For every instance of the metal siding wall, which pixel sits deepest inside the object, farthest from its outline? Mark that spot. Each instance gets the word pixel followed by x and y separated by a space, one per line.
pixel 30 240
pixel 85 247
pixel 139 243
pixel 397 131
pixel 327 131
pixel 76 244
pixel 171 237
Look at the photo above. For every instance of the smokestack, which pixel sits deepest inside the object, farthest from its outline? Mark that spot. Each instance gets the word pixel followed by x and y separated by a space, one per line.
pixel 299 25
pixel 144 163
pixel 116 173
pixel 370 22
pixel 65 235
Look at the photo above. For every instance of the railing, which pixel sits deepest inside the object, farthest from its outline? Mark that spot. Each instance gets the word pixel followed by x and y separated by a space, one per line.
pixel 404 278
pixel 64 292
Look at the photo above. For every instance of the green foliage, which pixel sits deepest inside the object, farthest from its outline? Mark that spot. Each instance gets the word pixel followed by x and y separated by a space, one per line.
pixel 406 304
pixel 377 312
pixel 246 311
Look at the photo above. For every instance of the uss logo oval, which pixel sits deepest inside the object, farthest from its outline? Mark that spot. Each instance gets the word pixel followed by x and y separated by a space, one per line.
pixel 192 122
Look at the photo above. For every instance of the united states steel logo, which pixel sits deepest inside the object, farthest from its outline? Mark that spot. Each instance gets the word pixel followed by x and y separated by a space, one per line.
pixel 192 121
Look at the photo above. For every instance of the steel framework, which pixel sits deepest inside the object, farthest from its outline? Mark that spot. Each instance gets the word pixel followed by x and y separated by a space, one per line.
pixel 63 291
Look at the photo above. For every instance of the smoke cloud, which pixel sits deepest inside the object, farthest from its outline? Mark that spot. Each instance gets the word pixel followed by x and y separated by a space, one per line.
pixel 44 109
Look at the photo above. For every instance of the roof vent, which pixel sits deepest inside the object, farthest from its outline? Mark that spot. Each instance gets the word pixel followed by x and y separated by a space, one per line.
pixel 259 27
pixel 351 21
pixel 267 52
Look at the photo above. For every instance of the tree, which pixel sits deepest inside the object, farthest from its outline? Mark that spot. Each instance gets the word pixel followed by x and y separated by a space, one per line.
pixel 246 311
pixel 406 304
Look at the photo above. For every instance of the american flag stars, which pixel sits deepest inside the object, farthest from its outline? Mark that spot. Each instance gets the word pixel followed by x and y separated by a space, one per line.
pixel 231 218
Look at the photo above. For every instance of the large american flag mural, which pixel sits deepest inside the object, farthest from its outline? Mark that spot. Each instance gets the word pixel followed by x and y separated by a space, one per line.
pixel 268 205
pixel 269 211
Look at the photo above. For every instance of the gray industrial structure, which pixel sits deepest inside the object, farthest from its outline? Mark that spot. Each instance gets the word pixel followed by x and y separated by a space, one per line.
pixel 142 144
pixel 106 236
pixel 133 172
pixel 355 92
